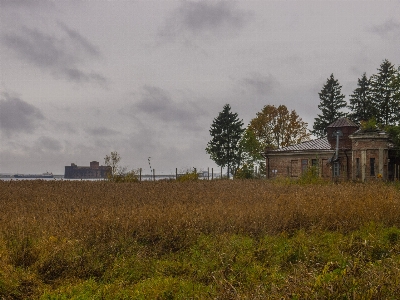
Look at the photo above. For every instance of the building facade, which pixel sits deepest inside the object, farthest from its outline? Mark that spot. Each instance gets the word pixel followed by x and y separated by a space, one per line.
pixel 346 153
pixel 83 172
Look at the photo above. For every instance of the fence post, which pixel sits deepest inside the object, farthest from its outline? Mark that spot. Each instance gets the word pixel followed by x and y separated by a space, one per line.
pixel 176 173
pixel 140 174
pixel 154 175
pixel 208 173
pixel 212 173
pixel 221 172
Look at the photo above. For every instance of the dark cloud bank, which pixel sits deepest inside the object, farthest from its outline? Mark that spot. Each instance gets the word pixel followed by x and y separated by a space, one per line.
pixel 204 17
pixel 18 116
pixel 157 104
pixel 60 55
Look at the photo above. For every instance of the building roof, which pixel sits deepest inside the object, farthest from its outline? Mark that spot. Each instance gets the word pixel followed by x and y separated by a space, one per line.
pixel 343 122
pixel 317 144
pixel 370 133
pixel 320 144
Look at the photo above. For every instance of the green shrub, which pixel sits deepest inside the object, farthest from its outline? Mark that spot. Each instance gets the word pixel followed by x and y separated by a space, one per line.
pixel 188 176
pixel 124 177
pixel 244 172
pixel 310 176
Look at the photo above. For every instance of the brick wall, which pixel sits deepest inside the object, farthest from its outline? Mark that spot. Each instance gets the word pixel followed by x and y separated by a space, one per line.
pixel 370 156
pixel 293 165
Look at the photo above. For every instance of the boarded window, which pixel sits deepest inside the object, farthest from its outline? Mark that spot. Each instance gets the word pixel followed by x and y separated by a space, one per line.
pixel 295 168
pixel 315 166
pixel 358 167
pixel 372 166
pixel 304 165
pixel 336 169
pixel 326 172
pixel 314 162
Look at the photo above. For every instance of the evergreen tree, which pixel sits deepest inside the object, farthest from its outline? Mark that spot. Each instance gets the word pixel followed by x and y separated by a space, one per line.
pixel 332 101
pixel 361 105
pixel 385 94
pixel 226 132
pixel 396 84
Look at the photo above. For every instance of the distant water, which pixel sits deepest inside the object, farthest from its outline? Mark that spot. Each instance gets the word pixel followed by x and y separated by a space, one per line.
pixel 144 177
pixel 48 179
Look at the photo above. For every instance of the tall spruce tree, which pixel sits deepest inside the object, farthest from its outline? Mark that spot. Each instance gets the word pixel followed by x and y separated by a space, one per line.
pixel 226 132
pixel 385 94
pixel 396 84
pixel 361 106
pixel 331 103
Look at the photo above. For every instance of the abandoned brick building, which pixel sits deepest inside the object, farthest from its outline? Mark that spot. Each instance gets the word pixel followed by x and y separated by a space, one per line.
pixel 92 172
pixel 346 153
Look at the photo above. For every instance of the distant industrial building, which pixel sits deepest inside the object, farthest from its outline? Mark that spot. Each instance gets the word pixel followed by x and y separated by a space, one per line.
pixel 92 172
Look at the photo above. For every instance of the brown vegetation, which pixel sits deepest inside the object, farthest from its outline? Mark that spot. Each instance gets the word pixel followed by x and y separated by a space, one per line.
pixel 79 209
pixel 75 230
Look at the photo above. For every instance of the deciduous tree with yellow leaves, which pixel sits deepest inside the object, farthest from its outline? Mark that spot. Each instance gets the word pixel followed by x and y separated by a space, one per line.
pixel 277 127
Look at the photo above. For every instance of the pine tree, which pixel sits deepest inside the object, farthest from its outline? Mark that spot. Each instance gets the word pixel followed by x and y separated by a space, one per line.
pixel 361 105
pixel 384 92
pixel 332 101
pixel 396 84
pixel 226 132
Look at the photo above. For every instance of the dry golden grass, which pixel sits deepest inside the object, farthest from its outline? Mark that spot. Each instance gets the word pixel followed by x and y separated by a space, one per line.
pixel 76 229
pixel 221 206
pixel 155 211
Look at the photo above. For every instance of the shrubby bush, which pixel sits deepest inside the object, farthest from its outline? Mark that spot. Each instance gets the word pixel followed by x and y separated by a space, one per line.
pixel 188 176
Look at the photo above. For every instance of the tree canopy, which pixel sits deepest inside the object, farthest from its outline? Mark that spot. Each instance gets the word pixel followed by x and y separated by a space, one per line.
pixel 331 103
pixel 118 173
pixel 251 157
pixel 361 105
pixel 276 127
pixel 385 92
pixel 226 132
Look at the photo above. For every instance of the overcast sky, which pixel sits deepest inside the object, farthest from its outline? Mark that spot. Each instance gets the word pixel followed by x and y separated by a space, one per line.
pixel 79 79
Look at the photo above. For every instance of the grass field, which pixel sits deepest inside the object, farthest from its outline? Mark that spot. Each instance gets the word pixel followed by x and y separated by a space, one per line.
pixel 219 239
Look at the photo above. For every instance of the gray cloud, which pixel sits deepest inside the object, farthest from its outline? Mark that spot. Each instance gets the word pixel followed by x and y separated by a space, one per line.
pixel 386 28
pixel 18 116
pixel 25 3
pixel 101 131
pixel 204 17
pixel 63 126
pixel 47 144
pixel 157 104
pixel 59 55
pixel 261 84
pixel 80 76
pixel 79 41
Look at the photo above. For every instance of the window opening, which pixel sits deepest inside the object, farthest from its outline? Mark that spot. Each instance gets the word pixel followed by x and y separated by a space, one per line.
pixel 336 169
pixel 357 167
pixel 304 165
pixel 372 166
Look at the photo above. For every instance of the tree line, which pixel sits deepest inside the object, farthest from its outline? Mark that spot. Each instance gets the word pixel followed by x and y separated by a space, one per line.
pixel 375 103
